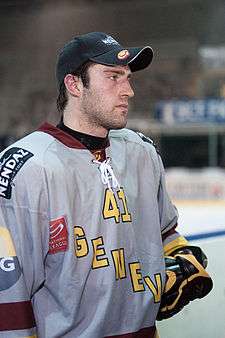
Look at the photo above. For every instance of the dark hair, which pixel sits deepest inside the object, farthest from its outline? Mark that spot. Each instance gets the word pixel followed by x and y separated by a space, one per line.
pixel 81 72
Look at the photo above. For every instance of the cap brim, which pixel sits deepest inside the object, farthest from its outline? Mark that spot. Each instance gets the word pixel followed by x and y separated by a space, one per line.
pixel 136 57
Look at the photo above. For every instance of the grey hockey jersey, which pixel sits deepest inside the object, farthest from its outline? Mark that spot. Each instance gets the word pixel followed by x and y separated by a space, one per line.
pixel 81 250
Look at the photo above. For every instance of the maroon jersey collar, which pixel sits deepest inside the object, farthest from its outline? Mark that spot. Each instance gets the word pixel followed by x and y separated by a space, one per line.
pixel 61 136
pixel 69 140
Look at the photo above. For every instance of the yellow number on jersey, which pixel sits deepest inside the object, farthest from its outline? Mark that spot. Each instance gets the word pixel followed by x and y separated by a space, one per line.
pixel 111 209
pixel 126 216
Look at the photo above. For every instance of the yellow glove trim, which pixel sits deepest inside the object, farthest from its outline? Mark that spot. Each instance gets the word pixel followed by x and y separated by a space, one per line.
pixel 172 278
pixel 201 273
pixel 177 243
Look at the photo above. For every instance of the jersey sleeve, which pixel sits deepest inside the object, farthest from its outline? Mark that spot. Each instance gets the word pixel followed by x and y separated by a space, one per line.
pixel 23 246
pixel 167 211
pixel 168 214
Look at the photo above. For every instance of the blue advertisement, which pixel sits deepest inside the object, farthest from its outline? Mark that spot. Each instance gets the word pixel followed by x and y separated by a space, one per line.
pixel 190 111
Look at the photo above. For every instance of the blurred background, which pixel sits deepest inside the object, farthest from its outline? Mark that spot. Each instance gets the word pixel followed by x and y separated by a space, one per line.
pixel 179 102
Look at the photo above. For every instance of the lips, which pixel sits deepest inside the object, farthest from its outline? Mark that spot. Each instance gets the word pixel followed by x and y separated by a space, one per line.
pixel 123 106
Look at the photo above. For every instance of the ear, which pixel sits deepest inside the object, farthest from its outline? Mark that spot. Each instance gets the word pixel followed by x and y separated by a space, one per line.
pixel 73 84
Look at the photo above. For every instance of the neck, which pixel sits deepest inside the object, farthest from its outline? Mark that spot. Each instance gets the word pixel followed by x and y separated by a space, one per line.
pixel 76 121
pixel 89 141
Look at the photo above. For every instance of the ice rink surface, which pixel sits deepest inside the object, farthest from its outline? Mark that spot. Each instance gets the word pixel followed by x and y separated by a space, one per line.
pixel 203 223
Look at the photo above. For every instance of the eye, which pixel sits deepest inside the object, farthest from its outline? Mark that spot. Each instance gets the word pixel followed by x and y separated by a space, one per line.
pixel 113 77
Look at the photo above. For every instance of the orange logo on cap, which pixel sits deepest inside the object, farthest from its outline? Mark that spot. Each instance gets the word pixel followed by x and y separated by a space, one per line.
pixel 123 54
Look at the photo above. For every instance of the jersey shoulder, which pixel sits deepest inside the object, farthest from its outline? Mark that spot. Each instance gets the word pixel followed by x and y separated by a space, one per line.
pixel 24 163
pixel 132 136
pixel 30 150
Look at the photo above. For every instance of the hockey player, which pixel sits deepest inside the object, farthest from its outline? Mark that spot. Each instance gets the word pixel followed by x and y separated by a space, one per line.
pixel 88 246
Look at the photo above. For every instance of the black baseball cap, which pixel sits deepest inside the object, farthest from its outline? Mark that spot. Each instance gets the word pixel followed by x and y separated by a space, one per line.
pixel 100 48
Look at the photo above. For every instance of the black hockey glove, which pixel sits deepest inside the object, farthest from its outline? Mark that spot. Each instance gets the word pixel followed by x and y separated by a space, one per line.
pixel 187 280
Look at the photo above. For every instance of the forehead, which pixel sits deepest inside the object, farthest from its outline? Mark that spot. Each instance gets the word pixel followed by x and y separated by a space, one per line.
pixel 99 68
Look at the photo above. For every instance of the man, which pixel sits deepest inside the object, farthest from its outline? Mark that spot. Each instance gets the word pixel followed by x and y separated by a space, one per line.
pixel 85 219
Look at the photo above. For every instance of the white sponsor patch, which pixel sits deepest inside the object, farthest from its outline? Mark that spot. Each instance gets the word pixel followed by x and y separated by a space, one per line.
pixel 10 163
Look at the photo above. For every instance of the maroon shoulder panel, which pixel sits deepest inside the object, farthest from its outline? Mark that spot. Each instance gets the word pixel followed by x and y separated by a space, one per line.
pixel 148 332
pixel 60 135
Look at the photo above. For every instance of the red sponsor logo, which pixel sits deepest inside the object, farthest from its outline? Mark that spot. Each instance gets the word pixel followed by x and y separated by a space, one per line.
pixel 123 54
pixel 58 240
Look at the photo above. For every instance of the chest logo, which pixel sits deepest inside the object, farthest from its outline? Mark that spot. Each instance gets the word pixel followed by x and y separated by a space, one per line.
pixel 58 240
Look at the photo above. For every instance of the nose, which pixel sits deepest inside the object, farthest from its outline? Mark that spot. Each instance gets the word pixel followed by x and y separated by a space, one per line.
pixel 127 89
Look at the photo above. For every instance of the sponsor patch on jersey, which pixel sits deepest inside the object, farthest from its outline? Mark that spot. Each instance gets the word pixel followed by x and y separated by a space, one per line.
pixel 123 54
pixel 10 270
pixel 10 163
pixel 58 240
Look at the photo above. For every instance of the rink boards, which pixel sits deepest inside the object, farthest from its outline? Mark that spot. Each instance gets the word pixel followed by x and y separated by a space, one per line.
pixel 203 224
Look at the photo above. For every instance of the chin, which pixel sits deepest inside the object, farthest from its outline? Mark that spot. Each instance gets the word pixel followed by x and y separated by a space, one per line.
pixel 119 126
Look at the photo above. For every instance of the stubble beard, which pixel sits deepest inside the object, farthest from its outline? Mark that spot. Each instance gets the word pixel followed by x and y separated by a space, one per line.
pixel 96 114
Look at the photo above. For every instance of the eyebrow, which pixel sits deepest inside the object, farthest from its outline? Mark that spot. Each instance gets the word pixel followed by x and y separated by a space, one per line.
pixel 116 71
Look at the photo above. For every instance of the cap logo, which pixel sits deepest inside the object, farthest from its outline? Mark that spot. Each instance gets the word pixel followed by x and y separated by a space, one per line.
pixel 123 54
pixel 110 41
